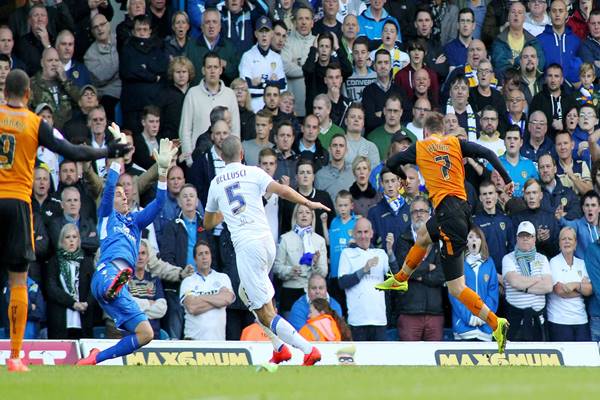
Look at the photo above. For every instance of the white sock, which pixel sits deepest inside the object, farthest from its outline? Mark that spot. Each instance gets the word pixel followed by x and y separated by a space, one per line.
pixel 288 334
pixel 277 343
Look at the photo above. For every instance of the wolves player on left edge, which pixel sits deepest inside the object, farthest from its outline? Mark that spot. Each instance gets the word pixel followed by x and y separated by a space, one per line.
pixel 119 249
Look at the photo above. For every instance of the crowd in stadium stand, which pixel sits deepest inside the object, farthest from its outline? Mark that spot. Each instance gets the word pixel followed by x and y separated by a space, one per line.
pixel 321 93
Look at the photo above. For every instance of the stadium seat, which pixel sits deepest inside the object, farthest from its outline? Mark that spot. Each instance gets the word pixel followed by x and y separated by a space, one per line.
pixel 391 335
pixel 164 335
pixel 448 335
pixel 99 332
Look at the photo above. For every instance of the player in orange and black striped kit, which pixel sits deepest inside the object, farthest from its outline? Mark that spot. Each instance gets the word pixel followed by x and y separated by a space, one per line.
pixel 440 161
pixel 21 132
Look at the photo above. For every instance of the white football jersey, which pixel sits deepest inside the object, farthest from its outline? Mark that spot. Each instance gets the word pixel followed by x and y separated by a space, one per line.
pixel 238 193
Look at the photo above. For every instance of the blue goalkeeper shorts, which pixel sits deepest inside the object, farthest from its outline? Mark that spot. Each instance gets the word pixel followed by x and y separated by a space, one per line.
pixel 122 309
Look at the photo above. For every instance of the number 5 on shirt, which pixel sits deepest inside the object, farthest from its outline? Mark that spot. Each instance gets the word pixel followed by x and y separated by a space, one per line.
pixel 236 200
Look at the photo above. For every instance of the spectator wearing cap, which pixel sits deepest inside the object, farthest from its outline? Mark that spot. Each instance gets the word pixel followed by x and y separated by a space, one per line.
pixel 142 66
pixel 76 126
pixel 382 136
pixel 212 40
pixel 261 66
pixel 102 61
pixel 76 71
pixel 51 85
pixel 527 280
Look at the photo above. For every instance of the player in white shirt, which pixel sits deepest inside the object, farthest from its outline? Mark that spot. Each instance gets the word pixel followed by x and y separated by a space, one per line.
pixel 235 196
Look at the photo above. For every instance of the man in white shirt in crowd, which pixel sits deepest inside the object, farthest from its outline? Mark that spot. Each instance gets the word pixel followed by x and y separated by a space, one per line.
pixel 205 297
pixel 360 268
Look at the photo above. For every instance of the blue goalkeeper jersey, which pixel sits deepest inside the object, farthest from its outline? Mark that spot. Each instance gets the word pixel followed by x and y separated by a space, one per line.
pixel 120 234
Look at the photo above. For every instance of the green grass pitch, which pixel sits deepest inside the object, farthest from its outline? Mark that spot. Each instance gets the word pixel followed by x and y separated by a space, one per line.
pixel 341 382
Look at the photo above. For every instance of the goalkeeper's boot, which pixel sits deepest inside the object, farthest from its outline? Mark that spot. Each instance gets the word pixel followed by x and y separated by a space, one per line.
pixel 391 283
pixel 282 355
pixel 118 283
pixel 90 359
pixel 501 333
pixel 16 365
pixel 312 358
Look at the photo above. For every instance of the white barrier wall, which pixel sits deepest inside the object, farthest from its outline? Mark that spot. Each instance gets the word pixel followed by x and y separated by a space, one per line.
pixel 360 353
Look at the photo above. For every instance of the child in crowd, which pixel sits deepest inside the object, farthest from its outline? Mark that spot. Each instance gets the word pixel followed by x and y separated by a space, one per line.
pixel 589 93
pixel 338 237
pixel 324 324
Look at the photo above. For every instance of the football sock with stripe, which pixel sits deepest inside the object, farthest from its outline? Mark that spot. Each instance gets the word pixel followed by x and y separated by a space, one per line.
pixel 289 335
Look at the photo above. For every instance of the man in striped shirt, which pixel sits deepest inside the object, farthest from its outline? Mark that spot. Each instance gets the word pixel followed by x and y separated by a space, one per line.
pixel 527 279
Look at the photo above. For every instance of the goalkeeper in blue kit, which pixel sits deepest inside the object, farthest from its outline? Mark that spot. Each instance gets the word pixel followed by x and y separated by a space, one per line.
pixel 121 231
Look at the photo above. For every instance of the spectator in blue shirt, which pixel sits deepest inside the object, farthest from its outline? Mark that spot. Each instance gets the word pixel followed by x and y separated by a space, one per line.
pixel 518 167
pixel 456 49
pixel 537 141
pixel 317 289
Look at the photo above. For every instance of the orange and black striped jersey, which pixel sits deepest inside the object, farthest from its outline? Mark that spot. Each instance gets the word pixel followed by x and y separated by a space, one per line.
pixel 440 162
pixel 21 132
pixel 18 147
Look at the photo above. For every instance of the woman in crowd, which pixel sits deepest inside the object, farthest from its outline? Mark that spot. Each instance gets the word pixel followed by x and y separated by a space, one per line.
pixel 324 324
pixel 305 177
pixel 301 252
pixel 240 87
pixel 70 301
pixel 363 193
pixel 481 276
pixel 175 43
pixel 181 72
pixel 567 317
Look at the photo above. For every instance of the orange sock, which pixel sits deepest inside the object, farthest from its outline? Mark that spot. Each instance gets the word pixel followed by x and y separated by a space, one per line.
pixel 17 315
pixel 413 258
pixel 474 303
